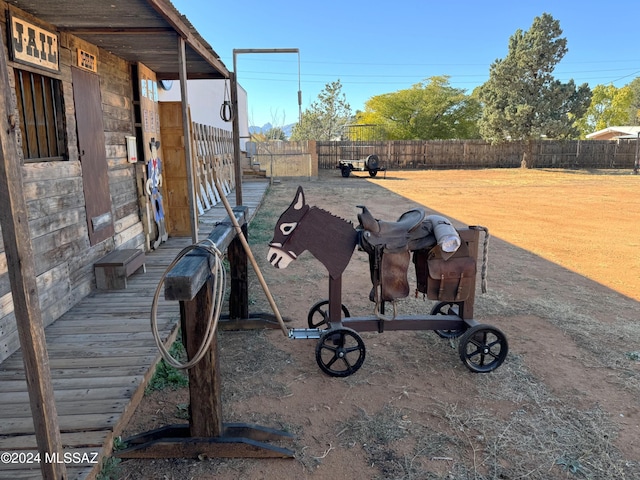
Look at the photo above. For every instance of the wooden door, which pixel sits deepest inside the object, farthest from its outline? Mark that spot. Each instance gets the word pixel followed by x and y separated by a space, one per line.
pixel 152 204
pixel 93 156
pixel 176 181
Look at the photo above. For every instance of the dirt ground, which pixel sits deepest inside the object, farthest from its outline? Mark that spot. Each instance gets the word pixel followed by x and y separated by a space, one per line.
pixel 563 285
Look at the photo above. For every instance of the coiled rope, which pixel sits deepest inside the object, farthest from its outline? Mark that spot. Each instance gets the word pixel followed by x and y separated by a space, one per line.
pixel 218 288
pixel 485 256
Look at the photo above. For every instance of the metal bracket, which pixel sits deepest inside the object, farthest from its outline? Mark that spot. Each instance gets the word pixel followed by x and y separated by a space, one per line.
pixel 305 333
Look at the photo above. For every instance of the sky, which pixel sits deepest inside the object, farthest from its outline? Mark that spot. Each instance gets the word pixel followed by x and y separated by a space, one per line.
pixel 376 47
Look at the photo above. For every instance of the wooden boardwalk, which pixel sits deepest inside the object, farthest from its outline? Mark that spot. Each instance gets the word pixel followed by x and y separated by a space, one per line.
pixel 101 356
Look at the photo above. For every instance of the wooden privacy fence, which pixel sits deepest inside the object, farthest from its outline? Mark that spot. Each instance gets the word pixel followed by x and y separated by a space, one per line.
pixel 450 154
pixel 213 161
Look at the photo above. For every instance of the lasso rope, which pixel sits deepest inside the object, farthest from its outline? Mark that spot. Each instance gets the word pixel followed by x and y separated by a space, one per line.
pixel 218 288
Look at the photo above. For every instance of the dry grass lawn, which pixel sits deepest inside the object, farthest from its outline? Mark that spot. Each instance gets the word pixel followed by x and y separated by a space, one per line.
pixel 564 287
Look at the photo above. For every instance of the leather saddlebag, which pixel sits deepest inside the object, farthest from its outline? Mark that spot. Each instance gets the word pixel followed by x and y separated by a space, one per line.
pixel 444 280
pixel 450 280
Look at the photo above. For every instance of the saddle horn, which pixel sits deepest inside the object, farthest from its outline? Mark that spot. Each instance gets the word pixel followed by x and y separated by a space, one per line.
pixel 367 221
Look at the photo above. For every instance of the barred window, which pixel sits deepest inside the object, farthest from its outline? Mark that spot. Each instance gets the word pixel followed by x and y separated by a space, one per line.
pixel 41 116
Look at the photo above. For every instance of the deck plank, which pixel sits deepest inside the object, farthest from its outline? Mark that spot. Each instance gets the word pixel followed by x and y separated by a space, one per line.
pixel 101 355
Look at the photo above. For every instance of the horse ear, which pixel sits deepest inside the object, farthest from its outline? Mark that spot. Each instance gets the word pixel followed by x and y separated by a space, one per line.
pixel 298 201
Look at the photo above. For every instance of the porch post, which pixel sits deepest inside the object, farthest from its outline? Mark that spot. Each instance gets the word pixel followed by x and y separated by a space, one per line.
pixel 236 133
pixel 188 152
pixel 22 277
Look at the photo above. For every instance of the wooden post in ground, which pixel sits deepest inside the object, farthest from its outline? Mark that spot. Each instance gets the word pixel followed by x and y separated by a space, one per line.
pixel 205 410
pixel 190 282
pixel 239 296
pixel 22 276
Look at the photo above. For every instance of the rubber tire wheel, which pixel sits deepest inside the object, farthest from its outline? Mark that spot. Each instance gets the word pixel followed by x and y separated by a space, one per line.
pixel 481 343
pixel 317 308
pixel 443 308
pixel 372 162
pixel 346 171
pixel 373 173
pixel 340 343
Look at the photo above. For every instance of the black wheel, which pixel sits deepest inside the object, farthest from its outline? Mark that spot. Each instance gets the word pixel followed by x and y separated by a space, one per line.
pixel 448 308
pixel 372 162
pixel 340 352
pixel 346 171
pixel 319 314
pixel 483 348
pixel 373 173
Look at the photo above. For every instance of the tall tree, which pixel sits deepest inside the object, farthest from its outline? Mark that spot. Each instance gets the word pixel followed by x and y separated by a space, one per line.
pixel 609 106
pixel 634 108
pixel 326 117
pixel 428 110
pixel 522 100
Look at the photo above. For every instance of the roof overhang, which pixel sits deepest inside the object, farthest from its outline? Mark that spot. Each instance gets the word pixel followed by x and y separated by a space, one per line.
pixel 146 31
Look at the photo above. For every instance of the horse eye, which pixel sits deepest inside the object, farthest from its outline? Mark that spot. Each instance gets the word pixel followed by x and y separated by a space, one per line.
pixel 287 228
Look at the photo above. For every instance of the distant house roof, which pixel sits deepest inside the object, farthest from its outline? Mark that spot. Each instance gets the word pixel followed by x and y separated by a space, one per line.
pixel 612 133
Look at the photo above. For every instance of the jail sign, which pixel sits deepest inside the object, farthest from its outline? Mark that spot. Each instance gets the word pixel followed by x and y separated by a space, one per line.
pixel 34 45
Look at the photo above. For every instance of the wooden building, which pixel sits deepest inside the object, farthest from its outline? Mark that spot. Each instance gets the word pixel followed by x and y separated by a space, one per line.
pixel 83 76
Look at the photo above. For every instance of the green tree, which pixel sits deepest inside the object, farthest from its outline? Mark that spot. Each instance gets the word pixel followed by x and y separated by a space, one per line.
pixel 272 134
pixel 325 118
pixel 275 133
pixel 428 110
pixel 609 106
pixel 522 100
pixel 634 107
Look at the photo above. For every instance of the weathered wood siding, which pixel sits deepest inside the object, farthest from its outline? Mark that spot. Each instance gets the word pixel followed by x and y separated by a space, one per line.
pixel 55 198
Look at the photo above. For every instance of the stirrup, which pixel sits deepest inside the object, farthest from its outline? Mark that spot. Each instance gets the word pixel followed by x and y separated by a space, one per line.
pixel 376 308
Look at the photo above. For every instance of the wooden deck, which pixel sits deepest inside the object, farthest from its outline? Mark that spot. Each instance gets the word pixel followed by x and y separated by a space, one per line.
pixel 101 355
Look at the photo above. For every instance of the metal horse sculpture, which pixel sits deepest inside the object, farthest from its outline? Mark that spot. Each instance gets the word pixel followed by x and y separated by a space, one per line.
pixel 332 240
pixel 445 260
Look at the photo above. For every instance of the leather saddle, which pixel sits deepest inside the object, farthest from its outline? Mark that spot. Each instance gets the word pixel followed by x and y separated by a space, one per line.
pixel 389 245
pixel 394 236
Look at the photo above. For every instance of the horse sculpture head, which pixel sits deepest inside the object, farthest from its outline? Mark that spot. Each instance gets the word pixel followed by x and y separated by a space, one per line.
pixel 283 248
pixel 300 227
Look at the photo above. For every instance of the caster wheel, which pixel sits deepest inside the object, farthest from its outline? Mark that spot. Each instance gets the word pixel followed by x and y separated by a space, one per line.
pixel 340 352
pixel 482 348
pixel 447 308
pixel 319 314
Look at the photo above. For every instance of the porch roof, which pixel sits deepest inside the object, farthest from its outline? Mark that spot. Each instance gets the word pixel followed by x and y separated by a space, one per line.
pixel 144 31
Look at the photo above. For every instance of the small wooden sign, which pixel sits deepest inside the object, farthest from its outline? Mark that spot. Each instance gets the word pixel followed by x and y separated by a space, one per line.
pixel 87 61
pixel 33 45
